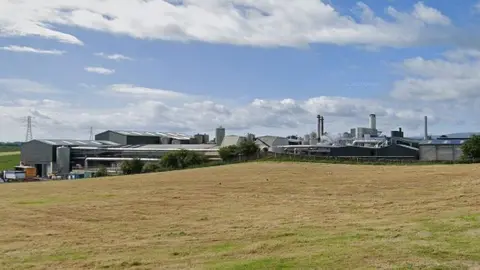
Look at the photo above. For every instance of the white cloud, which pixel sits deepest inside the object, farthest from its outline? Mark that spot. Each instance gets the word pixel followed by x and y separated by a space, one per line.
pixel 454 78
pixel 100 70
pixel 143 92
pixel 24 49
pixel 241 22
pixel 22 86
pixel 163 110
pixel 430 15
pixel 116 57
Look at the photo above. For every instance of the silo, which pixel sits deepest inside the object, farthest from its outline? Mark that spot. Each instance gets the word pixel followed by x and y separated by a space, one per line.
pixel 206 138
pixel 250 137
pixel 63 160
pixel 199 139
pixel 219 135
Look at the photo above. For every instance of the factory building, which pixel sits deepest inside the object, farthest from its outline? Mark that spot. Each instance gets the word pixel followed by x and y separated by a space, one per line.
pixel 144 137
pixel 43 154
pixel 61 156
pixel 388 152
pixel 270 143
pixel 441 150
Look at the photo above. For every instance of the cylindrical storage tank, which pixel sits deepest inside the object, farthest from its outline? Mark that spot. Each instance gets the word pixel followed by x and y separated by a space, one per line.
pixel 250 137
pixel 219 135
pixel 206 138
pixel 63 160
pixel 165 140
pixel 199 138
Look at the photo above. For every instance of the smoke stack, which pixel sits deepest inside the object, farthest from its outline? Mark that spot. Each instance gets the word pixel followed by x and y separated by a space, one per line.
pixel 373 121
pixel 322 129
pixel 425 136
pixel 319 127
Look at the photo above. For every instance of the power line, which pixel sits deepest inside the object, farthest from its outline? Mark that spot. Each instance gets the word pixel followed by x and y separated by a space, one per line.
pixel 29 135
pixel 91 133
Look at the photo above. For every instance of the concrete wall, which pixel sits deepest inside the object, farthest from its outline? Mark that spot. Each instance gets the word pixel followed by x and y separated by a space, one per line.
pixel 446 152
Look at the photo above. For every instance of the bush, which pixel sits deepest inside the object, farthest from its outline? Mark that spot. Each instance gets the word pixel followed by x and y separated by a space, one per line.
pixel 182 159
pixel 471 148
pixel 151 167
pixel 228 153
pixel 102 171
pixel 248 148
pixel 133 166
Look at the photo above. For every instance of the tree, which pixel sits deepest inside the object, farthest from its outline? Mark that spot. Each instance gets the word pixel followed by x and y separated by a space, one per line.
pixel 102 171
pixel 248 148
pixel 471 148
pixel 182 159
pixel 228 153
pixel 151 167
pixel 133 166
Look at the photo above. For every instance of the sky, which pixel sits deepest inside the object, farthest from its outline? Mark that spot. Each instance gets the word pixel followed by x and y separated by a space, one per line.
pixel 260 66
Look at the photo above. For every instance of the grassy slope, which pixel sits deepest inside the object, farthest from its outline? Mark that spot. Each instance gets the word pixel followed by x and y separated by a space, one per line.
pixel 248 216
pixel 4 148
pixel 9 160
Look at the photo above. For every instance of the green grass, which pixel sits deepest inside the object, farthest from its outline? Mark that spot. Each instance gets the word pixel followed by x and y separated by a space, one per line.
pixel 7 162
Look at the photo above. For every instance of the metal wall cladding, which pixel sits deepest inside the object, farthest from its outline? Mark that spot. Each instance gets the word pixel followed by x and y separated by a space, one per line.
pixel 37 152
pixel 428 152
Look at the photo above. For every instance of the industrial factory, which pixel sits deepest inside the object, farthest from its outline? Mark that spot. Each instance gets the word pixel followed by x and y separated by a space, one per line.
pixel 111 147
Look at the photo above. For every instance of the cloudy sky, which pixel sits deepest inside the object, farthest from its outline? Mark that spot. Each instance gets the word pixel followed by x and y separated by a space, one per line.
pixel 262 66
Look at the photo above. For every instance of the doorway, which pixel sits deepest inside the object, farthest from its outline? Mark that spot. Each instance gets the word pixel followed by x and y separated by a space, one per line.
pixel 39 168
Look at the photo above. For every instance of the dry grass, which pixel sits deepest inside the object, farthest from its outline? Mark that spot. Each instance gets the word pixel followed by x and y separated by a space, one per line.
pixel 249 216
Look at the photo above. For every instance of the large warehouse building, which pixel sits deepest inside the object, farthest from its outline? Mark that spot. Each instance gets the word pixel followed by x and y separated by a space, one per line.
pixel 144 137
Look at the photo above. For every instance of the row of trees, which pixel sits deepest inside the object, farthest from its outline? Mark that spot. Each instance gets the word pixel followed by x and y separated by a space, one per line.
pixel 183 159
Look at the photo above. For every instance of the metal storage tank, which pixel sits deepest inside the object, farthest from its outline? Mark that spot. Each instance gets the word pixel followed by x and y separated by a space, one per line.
pixel 165 140
pixel 206 138
pixel 199 138
pixel 63 160
pixel 250 137
pixel 219 135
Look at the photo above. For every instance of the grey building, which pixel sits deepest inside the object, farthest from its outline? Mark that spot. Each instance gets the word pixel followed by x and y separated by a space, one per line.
pixel 42 154
pixel 270 142
pixel 441 150
pixel 143 137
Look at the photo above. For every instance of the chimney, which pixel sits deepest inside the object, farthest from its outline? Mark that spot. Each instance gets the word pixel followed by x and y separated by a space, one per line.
pixel 319 127
pixel 373 121
pixel 322 128
pixel 425 136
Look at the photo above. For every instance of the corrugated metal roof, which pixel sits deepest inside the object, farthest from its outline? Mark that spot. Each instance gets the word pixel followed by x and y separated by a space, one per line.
pixel 60 142
pixel 173 135
pixel 439 142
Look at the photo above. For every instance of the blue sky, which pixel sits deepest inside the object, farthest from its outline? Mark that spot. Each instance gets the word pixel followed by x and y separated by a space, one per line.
pixel 191 68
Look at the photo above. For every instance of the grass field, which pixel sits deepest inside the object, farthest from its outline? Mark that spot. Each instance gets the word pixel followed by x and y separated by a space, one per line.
pixel 8 160
pixel 9 148
pixel 248 216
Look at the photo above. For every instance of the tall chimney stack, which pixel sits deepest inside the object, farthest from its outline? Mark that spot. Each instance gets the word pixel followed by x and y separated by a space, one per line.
pixel 319 127
pixel 322 127
pixel 373 121
pixel 425 136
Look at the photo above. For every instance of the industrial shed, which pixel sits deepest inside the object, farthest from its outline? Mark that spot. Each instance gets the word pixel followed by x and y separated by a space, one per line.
pixel 232 140
pixel 441 150
pixel 42 154
pixel 270 142
pixel 143 137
